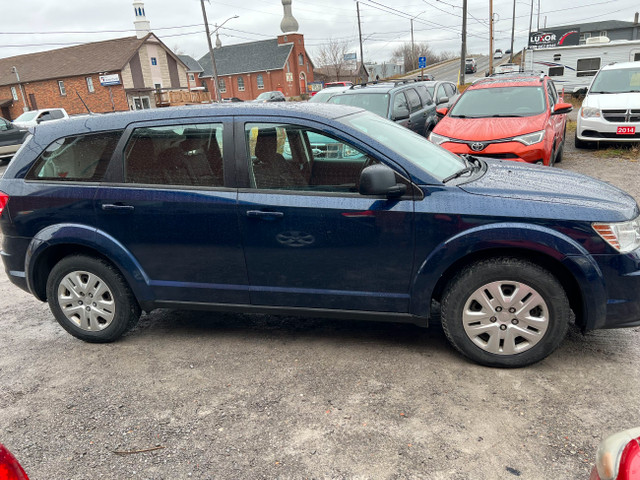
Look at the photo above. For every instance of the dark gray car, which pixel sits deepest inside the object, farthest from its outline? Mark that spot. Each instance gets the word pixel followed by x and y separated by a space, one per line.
pixel 11 137
pixel 406 103
pixel 444 93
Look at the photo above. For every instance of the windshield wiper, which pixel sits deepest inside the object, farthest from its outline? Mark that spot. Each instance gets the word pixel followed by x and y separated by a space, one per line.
pixel 472 163
pixel 504 115
pixel 459 173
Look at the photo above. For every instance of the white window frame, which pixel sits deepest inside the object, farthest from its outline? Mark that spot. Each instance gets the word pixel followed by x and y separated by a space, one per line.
pixel 192 77
pixel 90 86
pixel 14 94
pixel 300 59
pixel 222 85
pixel 240 84
pixel 63 91
pixel 260 81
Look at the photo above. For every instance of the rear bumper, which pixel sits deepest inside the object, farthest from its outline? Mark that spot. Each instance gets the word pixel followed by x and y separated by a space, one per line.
pixel 13 254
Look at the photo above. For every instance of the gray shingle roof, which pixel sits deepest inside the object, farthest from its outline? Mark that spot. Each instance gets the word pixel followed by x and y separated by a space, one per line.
pixel 247 57
pixel 605 25
pixel 191 63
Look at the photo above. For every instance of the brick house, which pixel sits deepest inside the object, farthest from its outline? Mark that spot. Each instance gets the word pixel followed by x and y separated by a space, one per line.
pixel 247 69
pixel 111 75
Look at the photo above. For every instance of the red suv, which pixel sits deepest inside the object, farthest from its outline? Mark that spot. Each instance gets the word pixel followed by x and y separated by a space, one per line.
pixel 515 117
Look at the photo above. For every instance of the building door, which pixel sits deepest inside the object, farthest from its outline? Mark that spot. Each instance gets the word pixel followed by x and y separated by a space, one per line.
pixel 32 101
pixel 303 83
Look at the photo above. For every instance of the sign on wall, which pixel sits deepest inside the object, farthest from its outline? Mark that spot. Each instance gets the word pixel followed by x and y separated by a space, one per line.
pixel 113 79
pixel 289 76
pixel 554 38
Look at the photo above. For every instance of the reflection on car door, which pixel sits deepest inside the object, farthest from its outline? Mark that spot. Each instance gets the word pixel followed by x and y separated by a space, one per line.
pixel 171 210
pixel 310 239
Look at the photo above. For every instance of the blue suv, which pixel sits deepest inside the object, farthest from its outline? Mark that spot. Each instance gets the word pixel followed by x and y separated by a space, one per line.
pixel 312 209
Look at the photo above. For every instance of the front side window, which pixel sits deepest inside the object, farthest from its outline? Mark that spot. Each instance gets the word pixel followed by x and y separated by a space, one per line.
pixel 241 84
pixel 500 102
pixel 189 155
pixel 78 158
pixel 260 81
pixel 414 100
pixel 90 85
pixel 63 91
pixel 293 157
pixel 587 67
pixel 441 93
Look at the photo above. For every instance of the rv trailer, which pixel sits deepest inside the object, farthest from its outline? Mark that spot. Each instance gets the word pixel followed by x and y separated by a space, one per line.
pixel 573 67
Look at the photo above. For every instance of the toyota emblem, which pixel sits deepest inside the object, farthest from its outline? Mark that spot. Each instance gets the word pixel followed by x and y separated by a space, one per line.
pixel 477 146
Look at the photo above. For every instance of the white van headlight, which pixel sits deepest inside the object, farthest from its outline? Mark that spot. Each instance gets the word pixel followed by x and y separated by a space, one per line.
pixel 589 112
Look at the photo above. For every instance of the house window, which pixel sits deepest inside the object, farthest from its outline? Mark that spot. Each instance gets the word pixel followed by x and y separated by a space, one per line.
pixel 583 37
pixel 222 86
pixel 157 86
pixel 636 57
pixel 14 94
pixel 587 67
pixel 240 84
pixel 154 61
pixel 300 59
pixel 603 33
pixel 90 85
pixel 260 81
pixel 192 77
pixel 288 69
pixel 61 87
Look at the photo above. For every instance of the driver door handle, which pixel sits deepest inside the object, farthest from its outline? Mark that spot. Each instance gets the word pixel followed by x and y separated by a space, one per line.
pixel 266 215
pixel 117 207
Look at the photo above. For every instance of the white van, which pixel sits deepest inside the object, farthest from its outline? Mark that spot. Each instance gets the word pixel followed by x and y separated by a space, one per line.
pixel 34 117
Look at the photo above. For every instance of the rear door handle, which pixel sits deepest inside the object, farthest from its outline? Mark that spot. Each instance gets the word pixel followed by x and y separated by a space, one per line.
pixel 264 214
pixel 117 207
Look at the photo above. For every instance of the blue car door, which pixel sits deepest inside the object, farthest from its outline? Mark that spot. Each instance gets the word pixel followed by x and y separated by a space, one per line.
pixel 167 201
pixel 310 239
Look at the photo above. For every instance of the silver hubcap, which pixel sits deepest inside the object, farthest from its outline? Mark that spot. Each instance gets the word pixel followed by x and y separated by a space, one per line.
pixel 86 300
pixel 505 317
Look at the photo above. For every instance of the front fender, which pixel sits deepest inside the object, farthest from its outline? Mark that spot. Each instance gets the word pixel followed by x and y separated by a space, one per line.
pixel 530 240
pixel 69 234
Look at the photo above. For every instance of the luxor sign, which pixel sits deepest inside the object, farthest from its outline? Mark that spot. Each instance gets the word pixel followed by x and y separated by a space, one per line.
pixel 554 38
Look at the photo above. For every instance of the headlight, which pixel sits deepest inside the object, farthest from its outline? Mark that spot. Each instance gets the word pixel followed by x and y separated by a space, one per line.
pixel 437 139
pixel 623 236
pixel 589 112
pixel 530 138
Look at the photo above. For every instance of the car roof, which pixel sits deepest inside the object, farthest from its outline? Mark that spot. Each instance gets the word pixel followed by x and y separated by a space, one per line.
pixel 385 86
pixel 621 65
pixel 508 80
pixel 120 120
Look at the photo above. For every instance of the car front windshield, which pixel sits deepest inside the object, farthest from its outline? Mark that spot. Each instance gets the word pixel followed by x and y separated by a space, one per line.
pixel 622 80
pixel 508 101
pixel 374 102
pixel 434 160
pixel 26 117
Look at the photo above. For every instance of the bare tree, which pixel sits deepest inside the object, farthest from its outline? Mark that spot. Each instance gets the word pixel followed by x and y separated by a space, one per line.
pixel 331 58
pixel 409 55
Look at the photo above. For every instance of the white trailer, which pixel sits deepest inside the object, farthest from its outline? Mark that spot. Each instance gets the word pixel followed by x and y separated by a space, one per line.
pixel 573 67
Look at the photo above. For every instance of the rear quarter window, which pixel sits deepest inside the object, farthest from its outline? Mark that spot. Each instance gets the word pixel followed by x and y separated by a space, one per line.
pixel 77 158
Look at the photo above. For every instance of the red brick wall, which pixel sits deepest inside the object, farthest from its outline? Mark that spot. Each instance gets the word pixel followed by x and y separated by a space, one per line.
pixel 47 95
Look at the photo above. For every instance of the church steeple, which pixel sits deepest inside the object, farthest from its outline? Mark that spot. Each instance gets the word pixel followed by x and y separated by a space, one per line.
pixel 143 27
pixel 288 24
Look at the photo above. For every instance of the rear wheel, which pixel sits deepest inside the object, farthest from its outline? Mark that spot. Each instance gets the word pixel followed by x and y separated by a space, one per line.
pixel 90 299
pixel 505 312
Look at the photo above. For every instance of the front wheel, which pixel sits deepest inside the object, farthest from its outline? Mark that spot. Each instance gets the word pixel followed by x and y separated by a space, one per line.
pixel 505 312
pixel 90 299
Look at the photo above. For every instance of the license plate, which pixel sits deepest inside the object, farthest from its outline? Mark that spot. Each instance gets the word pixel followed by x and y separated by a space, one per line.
pixel 626 130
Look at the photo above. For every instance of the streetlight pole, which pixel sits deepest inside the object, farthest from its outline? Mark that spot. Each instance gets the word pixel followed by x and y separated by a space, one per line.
pixel 216 93
pixel 513 29
pixel 25 107
pixel 463 51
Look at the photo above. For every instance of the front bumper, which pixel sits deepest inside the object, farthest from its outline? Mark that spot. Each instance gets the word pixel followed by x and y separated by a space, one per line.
pixel 506 151
pixel 598 129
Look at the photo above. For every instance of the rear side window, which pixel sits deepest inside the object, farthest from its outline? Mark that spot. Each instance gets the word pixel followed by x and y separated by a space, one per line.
pixel 56 114
pixel 450 89
pixel 81 158
pixel 189 155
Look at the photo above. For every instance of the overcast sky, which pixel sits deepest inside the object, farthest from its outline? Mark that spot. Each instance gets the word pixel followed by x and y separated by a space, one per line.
pixel 37 25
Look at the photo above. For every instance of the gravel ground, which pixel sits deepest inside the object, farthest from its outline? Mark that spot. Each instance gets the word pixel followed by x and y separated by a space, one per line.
pixel 253 396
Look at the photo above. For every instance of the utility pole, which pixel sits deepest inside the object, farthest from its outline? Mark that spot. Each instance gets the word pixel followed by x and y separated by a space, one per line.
pixel 513 29
pixel 491 37
pixel 538 16
pixel 213 58
pixel 413 48
pixel 463 51
pixel 25 107
pixel 361 73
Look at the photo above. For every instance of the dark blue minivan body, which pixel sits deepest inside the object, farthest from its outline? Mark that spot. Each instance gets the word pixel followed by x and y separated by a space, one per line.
pixel 232 207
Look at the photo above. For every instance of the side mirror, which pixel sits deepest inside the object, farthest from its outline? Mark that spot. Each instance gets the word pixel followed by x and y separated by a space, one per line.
pixel 380 180
pixel 442 111
pixel 561 108
pixel 442 100
pixel 400 113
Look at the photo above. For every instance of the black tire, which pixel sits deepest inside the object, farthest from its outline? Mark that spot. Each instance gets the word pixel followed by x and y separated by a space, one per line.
pixel 546 323
pixel 582 144
pixel 113 311
pixel 559 153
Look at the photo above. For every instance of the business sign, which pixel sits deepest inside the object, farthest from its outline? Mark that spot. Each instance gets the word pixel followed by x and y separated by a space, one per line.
pixel 106 80
pixel 422 62
pixel 350 57
pixel 554 38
